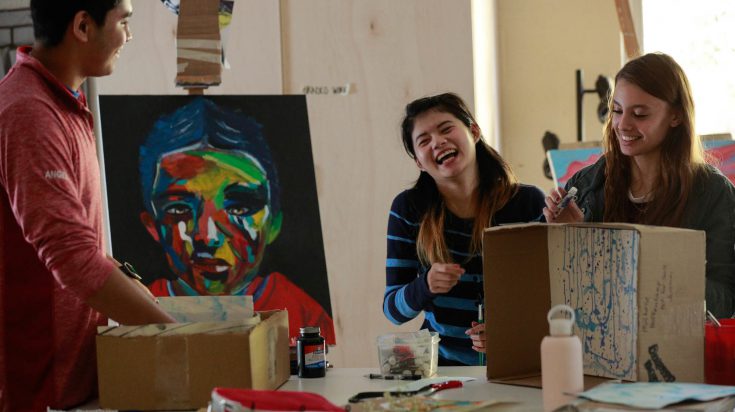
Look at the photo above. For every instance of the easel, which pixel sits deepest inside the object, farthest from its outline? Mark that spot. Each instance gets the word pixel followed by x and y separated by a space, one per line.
pixel 627 29
pixel 198 46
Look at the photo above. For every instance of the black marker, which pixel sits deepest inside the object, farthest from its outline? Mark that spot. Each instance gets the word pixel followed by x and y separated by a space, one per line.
pixel 395 377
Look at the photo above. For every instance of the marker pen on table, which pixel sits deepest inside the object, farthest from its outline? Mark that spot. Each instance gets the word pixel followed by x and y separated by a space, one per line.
pixel 394 377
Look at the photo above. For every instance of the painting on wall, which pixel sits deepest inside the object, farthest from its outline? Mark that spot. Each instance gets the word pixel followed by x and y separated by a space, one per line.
pixel 566 162
pixel 216 195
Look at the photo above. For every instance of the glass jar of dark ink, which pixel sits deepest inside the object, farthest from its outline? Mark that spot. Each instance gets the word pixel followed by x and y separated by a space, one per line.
pixel 311 353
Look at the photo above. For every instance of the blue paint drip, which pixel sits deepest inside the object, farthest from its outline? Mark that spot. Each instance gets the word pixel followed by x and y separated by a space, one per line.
pixel 599 281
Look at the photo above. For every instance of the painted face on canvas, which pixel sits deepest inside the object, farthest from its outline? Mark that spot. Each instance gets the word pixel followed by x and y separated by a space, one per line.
pixel 211 215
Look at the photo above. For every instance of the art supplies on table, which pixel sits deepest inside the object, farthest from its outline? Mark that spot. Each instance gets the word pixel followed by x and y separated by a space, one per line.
pixel 311 353
pixel 719 346
pixel 393 377
pixel 424 391
pixel 409 353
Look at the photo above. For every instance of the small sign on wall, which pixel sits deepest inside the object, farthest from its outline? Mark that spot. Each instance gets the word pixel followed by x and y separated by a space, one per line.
pixel 342 90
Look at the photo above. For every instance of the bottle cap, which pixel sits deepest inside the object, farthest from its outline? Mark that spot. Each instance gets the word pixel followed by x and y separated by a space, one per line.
pixel 560 326
pixel 309 330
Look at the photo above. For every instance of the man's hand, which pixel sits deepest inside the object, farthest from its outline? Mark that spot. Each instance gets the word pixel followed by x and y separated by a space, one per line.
pixel 443 276
pixel 121 300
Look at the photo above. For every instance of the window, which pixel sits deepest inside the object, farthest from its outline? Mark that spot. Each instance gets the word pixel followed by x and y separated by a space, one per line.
pixel 700 36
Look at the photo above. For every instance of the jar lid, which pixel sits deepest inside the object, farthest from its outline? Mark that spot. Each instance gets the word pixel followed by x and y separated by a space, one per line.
pixel 309 330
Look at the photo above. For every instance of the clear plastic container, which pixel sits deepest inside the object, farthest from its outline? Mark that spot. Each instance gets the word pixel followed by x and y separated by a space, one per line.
pixel 409 353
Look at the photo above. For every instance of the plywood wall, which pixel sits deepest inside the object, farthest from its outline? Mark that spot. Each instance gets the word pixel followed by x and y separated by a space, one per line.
pixel 540 45
pixel 389 52
pixel 147 64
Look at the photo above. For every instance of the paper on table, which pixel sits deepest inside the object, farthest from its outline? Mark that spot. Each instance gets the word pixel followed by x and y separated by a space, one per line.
pixel 207 308
pixel 655 395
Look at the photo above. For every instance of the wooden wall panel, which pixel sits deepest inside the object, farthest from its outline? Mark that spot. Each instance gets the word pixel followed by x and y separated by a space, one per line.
pixel 390 52
pixel 147 64
pixel 541 43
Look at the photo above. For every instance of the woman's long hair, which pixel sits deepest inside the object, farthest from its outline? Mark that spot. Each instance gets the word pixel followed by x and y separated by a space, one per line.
pixel 497 182
pixel 681 150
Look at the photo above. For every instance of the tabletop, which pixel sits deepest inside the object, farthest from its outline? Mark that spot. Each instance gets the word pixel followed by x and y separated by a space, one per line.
pixel 341 383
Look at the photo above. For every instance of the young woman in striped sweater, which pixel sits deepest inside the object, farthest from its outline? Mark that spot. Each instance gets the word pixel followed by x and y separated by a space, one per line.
pixel 434 260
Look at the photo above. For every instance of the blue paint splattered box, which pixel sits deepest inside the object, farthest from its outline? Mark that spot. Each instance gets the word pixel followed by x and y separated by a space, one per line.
pixel 637 291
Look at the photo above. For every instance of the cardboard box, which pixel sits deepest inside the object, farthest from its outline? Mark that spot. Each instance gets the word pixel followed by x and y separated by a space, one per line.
pixel 637 291
pixel 198 44
pixel 179 372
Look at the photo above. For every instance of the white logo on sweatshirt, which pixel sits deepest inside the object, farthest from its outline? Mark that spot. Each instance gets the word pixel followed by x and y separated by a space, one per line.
pixel 56 174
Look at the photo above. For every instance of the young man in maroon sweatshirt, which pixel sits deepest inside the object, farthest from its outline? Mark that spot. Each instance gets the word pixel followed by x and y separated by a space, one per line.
pixel 56 282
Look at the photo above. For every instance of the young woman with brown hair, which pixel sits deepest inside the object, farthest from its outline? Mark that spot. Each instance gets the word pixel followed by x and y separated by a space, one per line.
pixel 653 171
pixel 435 228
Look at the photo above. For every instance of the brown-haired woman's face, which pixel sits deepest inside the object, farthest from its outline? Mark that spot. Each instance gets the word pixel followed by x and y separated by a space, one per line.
pixel 641 121
pixel 444 146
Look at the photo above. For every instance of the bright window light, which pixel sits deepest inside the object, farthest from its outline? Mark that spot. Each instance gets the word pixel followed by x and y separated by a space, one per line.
pixel 700 36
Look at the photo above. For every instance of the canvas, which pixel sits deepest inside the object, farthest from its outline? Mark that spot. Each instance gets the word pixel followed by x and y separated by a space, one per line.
pixel 566 162
pixel 216 195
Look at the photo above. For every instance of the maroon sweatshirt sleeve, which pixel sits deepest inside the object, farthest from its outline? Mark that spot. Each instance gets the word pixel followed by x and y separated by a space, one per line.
pixel 49 169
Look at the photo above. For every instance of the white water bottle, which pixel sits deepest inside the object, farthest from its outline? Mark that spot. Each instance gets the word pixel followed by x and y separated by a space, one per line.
pixel 561 361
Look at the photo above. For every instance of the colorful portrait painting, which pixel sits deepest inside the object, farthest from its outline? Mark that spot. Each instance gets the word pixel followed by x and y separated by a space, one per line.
pixel 217 196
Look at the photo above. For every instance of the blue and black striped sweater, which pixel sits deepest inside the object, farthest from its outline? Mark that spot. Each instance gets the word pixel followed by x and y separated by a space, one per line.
pixel 407 292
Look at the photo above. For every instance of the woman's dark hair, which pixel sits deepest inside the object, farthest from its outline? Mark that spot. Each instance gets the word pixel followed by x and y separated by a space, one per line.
pixel 51 18
pixel 681 151
pixel 497 182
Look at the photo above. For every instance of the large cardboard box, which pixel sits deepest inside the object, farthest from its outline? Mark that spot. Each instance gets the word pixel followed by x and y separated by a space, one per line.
pixel 179 372
pixel 637 292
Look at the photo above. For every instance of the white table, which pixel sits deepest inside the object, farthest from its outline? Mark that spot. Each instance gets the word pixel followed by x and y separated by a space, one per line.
pixel 341 383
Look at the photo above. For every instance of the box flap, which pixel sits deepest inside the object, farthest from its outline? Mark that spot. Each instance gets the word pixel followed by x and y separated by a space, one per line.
pixel 516 282
pixel 671 306
pixel 273 368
